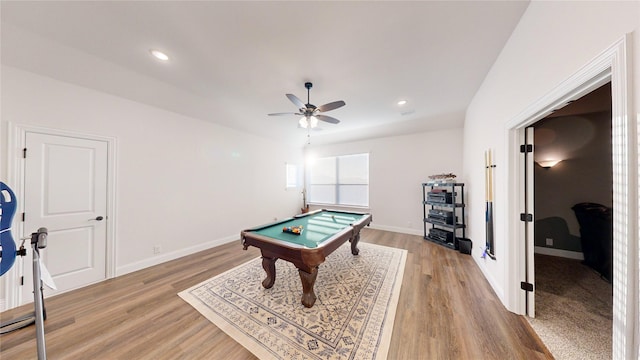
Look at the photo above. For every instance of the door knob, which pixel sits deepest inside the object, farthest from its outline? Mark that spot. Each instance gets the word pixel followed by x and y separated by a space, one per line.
pixel 99 218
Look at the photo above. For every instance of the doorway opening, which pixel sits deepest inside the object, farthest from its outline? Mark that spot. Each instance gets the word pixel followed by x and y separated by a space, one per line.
pixel 610 66
pixel 573 237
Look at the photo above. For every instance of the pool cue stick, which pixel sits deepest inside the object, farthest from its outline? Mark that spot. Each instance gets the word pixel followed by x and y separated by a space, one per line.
pixel 489 229
pixel 486 199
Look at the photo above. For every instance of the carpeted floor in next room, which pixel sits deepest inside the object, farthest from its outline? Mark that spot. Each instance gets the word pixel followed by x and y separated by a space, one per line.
pixel 574 309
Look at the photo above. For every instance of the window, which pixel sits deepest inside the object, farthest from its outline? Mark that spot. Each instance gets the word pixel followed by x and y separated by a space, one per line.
pixel 292 176
pixel 340 180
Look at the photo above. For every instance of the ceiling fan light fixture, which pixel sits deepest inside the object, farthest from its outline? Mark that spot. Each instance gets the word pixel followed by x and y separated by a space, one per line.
pixel 159 55
pixel 313 121
pixel 303 122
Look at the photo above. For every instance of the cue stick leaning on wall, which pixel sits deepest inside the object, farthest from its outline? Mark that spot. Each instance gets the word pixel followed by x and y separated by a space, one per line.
pixel 489 203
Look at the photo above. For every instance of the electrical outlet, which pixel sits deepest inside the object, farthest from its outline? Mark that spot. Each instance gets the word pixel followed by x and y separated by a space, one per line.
pixel 549 242
pixel 157 249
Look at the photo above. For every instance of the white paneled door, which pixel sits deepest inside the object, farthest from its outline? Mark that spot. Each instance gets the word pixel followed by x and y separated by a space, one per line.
pixel 65 190
pixel 529 228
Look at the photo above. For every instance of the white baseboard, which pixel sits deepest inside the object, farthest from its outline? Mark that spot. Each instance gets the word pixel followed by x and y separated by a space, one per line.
pixel 559 252
pixel 495 286
pixel 159 259
pixel 397 229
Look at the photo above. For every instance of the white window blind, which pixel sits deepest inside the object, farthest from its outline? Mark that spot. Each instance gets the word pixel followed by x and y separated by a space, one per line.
pixel 340 180
pixel 292 175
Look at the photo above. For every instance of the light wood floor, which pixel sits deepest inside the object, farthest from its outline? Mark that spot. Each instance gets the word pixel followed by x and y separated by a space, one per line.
pixel 447 310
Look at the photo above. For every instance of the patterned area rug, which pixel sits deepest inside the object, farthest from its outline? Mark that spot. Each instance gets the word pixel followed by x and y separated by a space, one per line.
pixel 351 319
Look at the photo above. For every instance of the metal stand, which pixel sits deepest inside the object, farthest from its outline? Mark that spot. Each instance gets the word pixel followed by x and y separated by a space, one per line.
pixel 38 241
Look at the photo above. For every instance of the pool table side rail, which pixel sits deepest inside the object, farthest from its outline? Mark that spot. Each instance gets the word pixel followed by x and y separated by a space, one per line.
pixel 295 217
pixel 248 236
pixel 263 226
pixel 303 257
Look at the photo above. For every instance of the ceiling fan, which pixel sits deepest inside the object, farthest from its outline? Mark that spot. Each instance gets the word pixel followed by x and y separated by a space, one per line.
pixel 311 113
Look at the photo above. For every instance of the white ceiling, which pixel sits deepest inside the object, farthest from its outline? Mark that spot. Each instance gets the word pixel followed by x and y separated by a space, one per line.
pixel 233 62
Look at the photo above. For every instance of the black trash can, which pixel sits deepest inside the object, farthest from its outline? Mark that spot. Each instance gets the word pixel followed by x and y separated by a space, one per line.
pixel 596 236
pixel 465 245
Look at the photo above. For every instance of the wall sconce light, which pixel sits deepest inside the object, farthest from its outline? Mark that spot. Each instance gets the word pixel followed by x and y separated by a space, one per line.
pixel 548 163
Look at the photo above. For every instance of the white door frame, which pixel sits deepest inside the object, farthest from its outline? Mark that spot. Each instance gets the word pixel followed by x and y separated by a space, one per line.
pixel 15 168
pixel 613 65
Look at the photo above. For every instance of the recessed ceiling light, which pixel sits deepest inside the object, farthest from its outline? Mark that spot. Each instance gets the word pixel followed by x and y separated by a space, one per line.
pixel 159 55
pixel 402 102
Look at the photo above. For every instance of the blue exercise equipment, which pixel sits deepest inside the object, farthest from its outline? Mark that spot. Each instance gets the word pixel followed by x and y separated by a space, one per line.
pixel 8 253
pixel 8 205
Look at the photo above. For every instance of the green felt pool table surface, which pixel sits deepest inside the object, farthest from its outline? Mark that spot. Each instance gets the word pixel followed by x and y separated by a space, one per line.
pixel 317 227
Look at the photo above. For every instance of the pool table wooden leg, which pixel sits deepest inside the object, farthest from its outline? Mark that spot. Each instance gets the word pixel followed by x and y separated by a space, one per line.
pixel 354 244
pixel 269 266
pixel 308 280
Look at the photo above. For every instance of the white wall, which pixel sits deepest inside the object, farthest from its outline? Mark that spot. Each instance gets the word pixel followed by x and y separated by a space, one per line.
pixel 552 41
pixel 398 166
pixel 182 183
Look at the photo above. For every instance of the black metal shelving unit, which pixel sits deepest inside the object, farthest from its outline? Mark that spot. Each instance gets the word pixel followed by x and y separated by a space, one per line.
pixel 444 217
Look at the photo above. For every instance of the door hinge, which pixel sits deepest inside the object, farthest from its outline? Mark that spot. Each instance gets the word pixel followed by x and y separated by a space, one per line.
pixel 23 217
pixel 526 217
pixel 526 148
pixel 526 286
pixel 21 280
pixel 24 153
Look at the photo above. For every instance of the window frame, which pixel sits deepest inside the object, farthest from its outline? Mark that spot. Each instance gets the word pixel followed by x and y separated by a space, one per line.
pixel 288 167
pixel 337 185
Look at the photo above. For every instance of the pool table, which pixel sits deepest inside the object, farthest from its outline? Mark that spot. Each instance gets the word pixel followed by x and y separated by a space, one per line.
pixel 323 232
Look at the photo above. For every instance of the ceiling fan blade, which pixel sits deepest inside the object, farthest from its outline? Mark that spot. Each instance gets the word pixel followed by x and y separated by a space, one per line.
pixel 297 102
pixel 331 106
pixel 328 119
pixel 283 114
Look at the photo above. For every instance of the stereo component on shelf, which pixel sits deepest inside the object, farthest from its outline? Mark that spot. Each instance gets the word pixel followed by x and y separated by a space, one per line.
pixel 441 216
pixel 441 235
pixel 439 196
